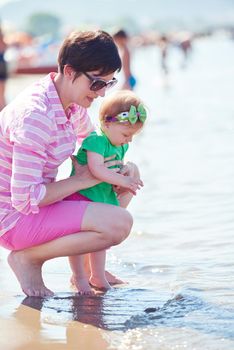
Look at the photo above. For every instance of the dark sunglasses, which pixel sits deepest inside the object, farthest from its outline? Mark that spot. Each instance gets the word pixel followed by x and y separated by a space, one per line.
pixel 98 84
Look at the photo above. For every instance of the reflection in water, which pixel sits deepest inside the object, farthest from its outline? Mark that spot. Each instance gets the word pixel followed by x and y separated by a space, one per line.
pixel 125 309
pixel 109 312
pixel 42 329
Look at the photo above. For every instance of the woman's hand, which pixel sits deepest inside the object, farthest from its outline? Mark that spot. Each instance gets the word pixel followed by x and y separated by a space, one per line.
pixel 110 161
pixel 83 174
pixel 58 190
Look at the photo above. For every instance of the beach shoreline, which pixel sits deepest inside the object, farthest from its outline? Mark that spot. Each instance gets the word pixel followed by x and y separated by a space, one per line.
pixel 25 325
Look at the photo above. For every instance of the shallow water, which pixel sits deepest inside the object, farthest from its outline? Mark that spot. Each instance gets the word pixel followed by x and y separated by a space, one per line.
pixel 179 259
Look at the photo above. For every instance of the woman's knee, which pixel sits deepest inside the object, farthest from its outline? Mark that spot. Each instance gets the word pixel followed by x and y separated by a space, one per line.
pixel 121 226
pixel 114 223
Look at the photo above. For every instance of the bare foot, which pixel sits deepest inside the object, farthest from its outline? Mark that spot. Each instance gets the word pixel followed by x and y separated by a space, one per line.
pixel 112 279
pixel 82 285
pixel 28 275
pixel 99 283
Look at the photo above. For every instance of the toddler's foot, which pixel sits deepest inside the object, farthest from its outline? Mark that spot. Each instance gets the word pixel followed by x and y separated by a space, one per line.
pixel 99 283
pixel 112 279
pixel 82 286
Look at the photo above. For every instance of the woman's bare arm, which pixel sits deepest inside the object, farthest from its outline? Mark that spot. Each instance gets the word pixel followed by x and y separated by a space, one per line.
pixel 56 191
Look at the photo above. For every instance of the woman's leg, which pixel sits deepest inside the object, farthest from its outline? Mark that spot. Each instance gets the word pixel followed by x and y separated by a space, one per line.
pixel 98 231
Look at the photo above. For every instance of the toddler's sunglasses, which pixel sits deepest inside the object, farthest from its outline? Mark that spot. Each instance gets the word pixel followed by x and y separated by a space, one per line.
pixel 98 84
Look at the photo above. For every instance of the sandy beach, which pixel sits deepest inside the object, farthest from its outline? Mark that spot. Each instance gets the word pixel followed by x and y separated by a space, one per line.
pixel 67 320
pixel 25 330
pixel 25 322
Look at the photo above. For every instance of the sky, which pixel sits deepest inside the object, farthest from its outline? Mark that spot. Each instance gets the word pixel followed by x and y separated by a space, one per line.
pixel 3 2
pixel 143 12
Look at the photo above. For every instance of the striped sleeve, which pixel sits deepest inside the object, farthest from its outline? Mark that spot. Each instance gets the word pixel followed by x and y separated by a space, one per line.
pixel 82 124
pixel 30 141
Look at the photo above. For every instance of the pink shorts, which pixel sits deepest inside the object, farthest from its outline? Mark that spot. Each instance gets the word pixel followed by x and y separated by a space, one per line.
pixel 53 221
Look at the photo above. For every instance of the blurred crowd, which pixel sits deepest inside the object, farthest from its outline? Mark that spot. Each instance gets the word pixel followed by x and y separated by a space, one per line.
pixel 22 53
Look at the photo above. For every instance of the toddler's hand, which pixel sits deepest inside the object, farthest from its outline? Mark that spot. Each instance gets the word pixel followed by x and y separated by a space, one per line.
pixel 132 184
pixel 131 169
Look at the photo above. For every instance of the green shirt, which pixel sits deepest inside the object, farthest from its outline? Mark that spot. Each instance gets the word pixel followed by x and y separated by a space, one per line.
pixel 100 144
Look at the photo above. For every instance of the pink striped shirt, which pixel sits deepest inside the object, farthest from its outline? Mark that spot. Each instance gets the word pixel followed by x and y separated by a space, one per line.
pixel 36 136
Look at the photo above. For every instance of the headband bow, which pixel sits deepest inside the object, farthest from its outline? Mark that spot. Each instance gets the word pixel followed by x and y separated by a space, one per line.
pixel 136 114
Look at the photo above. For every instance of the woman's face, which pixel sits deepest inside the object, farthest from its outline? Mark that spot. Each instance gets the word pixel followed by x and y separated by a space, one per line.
pixel 80 92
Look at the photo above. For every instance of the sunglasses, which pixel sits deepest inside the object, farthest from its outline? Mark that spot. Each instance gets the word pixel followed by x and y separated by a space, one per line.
pixel 98 84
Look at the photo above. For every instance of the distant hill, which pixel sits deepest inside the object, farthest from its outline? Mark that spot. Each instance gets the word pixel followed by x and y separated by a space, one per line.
pixel 142 13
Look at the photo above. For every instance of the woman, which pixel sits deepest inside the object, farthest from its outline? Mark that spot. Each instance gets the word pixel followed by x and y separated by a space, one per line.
pixel 38 131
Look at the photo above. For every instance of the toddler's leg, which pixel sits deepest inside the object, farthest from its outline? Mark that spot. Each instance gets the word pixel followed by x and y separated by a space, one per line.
pixel 111 278
pixel 79 277
pixel 126 197
pixel 97 262
pixel 124 200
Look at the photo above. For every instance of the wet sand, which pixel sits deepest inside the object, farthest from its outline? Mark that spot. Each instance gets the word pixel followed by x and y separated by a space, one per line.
pixel 67 320
pixel 27 323
pixel 24 329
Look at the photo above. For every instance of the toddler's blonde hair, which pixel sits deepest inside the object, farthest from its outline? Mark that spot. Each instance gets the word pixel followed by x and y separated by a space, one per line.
pixel 116 103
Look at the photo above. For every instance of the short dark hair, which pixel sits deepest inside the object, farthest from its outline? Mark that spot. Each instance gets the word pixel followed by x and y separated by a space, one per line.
pixel 87 51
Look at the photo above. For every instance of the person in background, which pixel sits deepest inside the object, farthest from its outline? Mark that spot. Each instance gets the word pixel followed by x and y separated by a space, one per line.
pixel 185 44
pixel 3 70
pixel 121 39
pixel 164 47
pixel 122 116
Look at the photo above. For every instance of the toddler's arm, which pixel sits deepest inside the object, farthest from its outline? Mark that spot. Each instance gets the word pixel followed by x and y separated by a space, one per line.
pixel 100 171
pixel 129 169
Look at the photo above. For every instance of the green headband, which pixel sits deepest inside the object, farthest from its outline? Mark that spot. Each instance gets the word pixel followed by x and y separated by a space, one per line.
pixel 134 115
